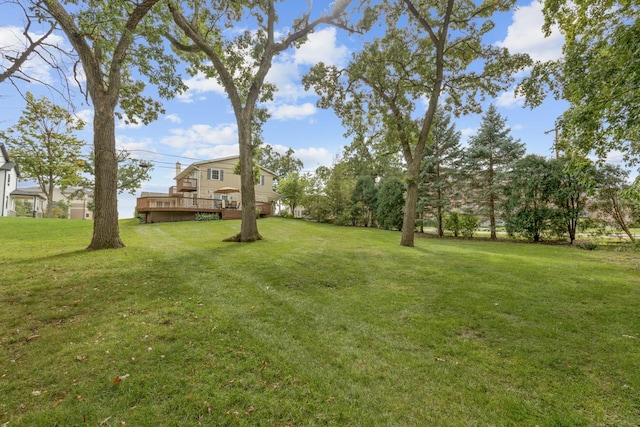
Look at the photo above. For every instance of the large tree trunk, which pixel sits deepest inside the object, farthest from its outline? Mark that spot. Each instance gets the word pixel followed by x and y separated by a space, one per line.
pixel 106 232
pixel 410 204
pixel 249 227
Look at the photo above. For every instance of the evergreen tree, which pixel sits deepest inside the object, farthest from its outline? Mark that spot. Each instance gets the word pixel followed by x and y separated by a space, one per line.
pixel 439 169
pixel 489 157
pixel 364 199
pixel 390 210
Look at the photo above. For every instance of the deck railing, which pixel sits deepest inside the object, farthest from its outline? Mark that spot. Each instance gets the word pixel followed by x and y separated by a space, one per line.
pixel 187 184
pixel 167 203
pixel 176 203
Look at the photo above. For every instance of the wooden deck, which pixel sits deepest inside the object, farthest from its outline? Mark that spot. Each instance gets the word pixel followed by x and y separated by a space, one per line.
pixel 168 209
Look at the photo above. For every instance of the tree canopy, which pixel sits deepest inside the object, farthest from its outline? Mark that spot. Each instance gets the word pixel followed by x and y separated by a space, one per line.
pixel 599 76
pixel 44 145
pixel 427 50
pixel 240 62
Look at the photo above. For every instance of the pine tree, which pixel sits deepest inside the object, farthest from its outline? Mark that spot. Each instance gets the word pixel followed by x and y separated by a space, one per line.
pixel 439 169
pixel 489 157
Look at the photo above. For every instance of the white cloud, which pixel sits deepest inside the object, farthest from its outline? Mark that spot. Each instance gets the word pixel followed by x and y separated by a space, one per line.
pixel 313 157
pixel 198 135
pixel 525 35
pixel 322 46
pixel 292 112
pixel 132 145
pixel 465 134
pixel 286 71
pixel 173 118
pixel 218 151
pixel 121 123
pixel 509 99
pixel 286 76
pixel 200 84
pixel 85 115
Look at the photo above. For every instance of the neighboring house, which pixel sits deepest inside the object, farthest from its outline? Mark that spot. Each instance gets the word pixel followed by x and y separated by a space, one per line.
pixel 34 197
pixel 9 175
pixel 208 187
pixel 78 206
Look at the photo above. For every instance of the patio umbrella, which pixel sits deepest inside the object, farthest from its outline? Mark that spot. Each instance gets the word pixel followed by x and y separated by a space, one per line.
pixel 227 190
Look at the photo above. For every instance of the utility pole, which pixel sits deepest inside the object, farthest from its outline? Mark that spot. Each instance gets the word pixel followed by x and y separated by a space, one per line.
pixel 555 140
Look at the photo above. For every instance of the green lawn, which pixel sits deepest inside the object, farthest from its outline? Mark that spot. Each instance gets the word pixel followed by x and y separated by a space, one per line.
pixel 315 325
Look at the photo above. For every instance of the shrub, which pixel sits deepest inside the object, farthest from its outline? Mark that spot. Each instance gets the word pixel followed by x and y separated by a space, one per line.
pixel 588 246
pixel 207 217
pixel 469 225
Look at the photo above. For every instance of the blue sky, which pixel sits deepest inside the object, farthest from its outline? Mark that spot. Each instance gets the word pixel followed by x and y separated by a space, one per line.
pixel 200 125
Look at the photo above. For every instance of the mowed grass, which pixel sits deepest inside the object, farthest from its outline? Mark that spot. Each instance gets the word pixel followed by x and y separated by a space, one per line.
pixel 315 325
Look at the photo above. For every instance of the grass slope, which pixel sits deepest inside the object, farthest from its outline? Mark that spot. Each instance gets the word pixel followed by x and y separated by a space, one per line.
pixel 315 325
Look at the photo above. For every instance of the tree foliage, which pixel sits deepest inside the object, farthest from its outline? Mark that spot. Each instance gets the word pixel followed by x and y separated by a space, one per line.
pixel 364 200
pixel 528 207
pixel 44 145
pixel 440 169
pixel 105 38
pixel 599 75
pixel 611 201
pixel 240 61
pixel 427 50
pixel 293 189
pixel 390 203
pixel 131 174
pixel 573 180
pixel 280 164
pixel 488 159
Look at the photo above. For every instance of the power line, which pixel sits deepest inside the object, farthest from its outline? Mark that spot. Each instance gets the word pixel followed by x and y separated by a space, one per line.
pixel 164 154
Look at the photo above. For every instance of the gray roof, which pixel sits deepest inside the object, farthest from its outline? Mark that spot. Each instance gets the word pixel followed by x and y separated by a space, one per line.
pixel 7 166
pixel 27 192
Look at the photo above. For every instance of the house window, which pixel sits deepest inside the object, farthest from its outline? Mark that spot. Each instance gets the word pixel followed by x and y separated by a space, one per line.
pixel 261 179
pixel 215 174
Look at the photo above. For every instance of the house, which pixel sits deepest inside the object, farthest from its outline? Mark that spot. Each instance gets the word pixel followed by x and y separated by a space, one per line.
pixel 78 205
pixel 9 175
pixel 28 202
pixel 208 187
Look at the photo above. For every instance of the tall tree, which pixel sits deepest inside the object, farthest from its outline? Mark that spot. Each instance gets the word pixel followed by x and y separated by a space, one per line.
pixel 490 154
pixel 528 208
pixel 293 189
pixel 598 75
pixel 44 145
pixel 281 164
pixel 240 63
pixel 573 179
pixel 389 204
pixel 611 201
pixel 103 35
pixel 439 169
pixel 428 48
pixel 364 200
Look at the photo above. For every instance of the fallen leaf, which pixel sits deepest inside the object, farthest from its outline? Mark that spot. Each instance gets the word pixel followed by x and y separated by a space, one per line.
pixel 116 380
pixel 81 358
